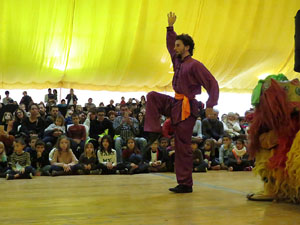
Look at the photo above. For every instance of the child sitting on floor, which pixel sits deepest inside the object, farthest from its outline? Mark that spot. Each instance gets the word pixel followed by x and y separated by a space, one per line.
pixel 19 162
pixel 133 159
pixel 88 160
pixel 40 159
pixel 63 162
pixel 238 158
pixel 224 151
pixel 199 165
pixel 107 156
pixel 155 158
pixel 210 155
pixel 171 155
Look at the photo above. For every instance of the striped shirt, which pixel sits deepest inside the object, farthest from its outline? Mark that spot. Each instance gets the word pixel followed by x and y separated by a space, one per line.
pixel 20 161
pixel 124 129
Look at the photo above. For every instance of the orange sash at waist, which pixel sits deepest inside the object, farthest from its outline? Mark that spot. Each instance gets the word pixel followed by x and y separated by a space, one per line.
pixel 186 108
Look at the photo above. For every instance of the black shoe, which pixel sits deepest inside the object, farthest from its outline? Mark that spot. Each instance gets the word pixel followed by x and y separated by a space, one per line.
pixel 181 189
pixel 152 138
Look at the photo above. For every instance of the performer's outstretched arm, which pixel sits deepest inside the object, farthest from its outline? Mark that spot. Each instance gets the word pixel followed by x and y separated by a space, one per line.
pixel 171 35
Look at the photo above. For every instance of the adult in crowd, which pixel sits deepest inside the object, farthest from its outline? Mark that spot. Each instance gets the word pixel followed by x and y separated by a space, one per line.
pixel 7 99
pixel 26 100
pixel 71 98
pixel 33 125
pixel 126 127
pixel 212 128
pixel 89 105
pixel 52 116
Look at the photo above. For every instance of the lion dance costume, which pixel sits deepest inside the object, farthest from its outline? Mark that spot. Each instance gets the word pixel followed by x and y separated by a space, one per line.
pixel 274 138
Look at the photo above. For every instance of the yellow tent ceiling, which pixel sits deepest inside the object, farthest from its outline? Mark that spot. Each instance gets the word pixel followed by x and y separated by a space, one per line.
pixel 120 44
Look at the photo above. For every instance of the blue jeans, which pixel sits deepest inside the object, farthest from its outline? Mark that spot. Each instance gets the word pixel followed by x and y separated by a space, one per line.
pixel 74 168
pixel 28 170
pixel 119 142
pixel 135 158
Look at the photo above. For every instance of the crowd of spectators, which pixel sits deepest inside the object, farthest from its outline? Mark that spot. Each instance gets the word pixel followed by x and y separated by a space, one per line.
pixel 61 138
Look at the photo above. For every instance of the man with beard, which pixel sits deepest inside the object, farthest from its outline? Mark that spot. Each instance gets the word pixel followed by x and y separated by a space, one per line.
pixel 189 76
pixel 212 128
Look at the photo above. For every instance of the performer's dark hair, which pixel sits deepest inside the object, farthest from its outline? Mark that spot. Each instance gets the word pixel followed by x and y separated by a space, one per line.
pixel 187 41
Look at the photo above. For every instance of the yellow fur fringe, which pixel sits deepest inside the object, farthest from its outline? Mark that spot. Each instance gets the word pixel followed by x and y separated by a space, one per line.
pixel 283 184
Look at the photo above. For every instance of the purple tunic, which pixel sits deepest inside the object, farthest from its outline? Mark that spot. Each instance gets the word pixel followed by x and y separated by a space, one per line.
pixel 189 76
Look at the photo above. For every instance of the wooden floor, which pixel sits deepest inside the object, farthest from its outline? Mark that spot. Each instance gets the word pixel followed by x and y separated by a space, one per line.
pixel 218 198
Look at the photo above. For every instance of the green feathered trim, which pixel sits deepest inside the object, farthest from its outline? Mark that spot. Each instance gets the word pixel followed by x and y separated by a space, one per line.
pixel 257 90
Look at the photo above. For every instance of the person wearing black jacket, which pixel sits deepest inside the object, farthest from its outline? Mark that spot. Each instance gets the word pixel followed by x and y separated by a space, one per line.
pixel 20 115
pixel 155 158
pixel 99 126
pixel 71 97
pixel 26 100
pixel 212 128
pixel 40 159
pixel 33 125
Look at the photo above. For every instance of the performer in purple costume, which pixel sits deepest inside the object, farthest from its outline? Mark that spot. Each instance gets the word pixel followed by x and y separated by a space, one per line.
pixel 189 76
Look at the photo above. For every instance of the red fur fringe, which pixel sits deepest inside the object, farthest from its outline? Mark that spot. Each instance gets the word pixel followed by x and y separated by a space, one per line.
pixel 273 113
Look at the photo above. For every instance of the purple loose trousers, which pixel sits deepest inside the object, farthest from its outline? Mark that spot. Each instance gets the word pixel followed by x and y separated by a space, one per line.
pixel 158 104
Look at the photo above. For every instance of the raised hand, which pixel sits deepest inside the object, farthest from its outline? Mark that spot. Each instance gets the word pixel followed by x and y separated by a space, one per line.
pixel 171 18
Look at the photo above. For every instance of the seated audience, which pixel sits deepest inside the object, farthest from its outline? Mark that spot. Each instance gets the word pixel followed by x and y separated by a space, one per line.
pixel 155 158
pixel 110 106
pixel 171 155
pixel 126 127
pixel 88 160
pixel 40 159
pixel 19 115
pixel 90 105
pixel 32 142
pixel 231 126
pixel 197 131
pixel 199 165
pixel 19 162
pixel 63 161
pixel 3 160
pixel 107 157
pixel 209 155
pixel 33 125
pixel 212 128
pixel 54 130
pixel 100 126
pixel 133 158
pixel 52 117
pixel 224 151
pixel 238 159
pixel 77 134
pixel 6 121
pixel 42 110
